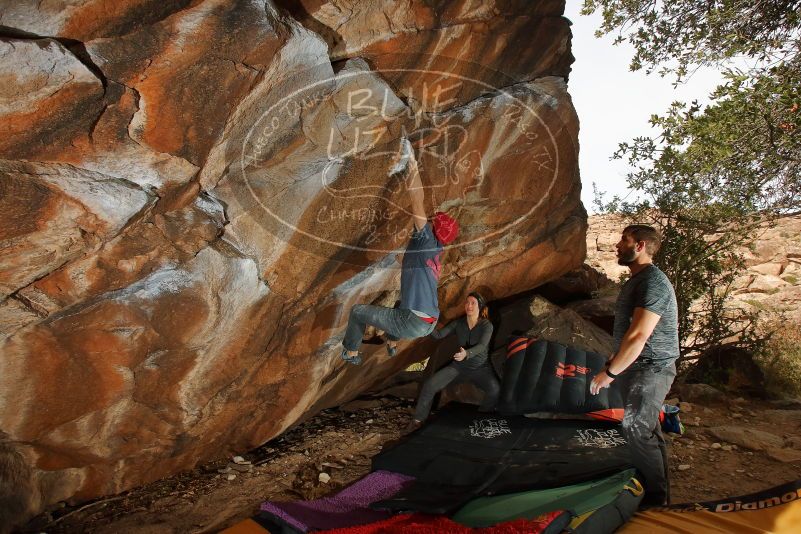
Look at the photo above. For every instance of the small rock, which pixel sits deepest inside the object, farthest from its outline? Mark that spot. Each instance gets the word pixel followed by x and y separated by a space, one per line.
pixel 368 422
pixel 785 455
pixel 727 447
pixel 243 468
pixel 793 442
pixel 224 471
pixel 684 467
pixel 747 437
pixel 332 465
pixel 325 478
pixel 230 476
pixel 740 470
pixel 736 415
pixel 716 445
pixel 239 460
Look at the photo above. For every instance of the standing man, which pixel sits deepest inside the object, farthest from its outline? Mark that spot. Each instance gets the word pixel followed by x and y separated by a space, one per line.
pixel 418 311
pixel 644 364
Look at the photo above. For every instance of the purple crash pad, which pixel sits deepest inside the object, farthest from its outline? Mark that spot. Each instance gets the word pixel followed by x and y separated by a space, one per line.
pixel 347 508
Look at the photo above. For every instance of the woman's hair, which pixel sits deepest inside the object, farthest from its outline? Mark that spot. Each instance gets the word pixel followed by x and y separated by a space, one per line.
pixel 483 310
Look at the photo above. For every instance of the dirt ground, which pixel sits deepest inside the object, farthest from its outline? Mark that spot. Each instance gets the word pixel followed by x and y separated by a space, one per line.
pixel 340 443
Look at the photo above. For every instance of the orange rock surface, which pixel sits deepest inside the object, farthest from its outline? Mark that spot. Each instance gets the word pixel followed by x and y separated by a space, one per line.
pixel 194 194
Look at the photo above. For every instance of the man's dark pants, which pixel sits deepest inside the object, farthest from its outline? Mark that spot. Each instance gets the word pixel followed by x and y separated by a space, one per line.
pixel 644 390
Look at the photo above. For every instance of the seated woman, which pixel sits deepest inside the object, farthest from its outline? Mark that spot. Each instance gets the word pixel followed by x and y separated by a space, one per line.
pixel 471 362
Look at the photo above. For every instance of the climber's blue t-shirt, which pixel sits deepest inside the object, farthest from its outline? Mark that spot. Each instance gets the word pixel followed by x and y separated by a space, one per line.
pixel 420 272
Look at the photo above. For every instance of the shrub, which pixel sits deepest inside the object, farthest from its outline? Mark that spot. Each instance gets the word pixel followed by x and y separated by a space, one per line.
pixel 780 360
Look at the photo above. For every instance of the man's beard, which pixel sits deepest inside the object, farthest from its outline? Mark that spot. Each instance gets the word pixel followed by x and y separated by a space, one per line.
pixel 626 258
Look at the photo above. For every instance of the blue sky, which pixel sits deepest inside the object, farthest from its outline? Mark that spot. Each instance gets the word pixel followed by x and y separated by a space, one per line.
pixel 614 104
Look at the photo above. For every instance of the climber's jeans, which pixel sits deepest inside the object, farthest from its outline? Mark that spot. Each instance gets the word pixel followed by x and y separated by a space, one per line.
pixel 396 323
pixel 644 391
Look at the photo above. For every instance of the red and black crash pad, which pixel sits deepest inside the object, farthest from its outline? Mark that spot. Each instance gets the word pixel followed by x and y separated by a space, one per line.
pixel 461 454
pixel 549 523
pixel 545 376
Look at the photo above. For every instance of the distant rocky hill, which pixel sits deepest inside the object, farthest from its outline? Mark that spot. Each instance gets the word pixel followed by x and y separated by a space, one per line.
pixel 771 284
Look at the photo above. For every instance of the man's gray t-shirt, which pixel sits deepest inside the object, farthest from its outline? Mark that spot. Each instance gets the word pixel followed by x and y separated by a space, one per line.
pixel 650 289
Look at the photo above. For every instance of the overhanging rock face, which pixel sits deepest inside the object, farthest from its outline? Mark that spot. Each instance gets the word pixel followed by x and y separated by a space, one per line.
pixel 194 194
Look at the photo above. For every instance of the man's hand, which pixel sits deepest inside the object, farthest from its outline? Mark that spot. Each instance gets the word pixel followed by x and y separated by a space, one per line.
pixel 461 355
pixel 600 381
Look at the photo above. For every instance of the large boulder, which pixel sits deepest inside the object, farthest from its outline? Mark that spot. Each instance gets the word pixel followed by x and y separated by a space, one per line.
pixel 536 317
pixel 195 193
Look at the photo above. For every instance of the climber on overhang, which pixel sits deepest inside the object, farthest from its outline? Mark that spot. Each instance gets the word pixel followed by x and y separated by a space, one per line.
pixel 417 313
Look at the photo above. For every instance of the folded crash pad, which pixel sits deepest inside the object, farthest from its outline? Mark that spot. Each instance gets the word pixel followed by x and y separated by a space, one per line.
pixel 462 454
pixel 597 506
pixel 347 508
pixel 544 376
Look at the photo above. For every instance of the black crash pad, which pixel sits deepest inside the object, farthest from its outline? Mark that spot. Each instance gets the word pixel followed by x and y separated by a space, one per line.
pixel 461 454
pixel 544 376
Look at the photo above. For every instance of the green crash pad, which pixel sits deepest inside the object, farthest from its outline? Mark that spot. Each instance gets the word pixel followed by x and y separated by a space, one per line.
pixel 579 499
